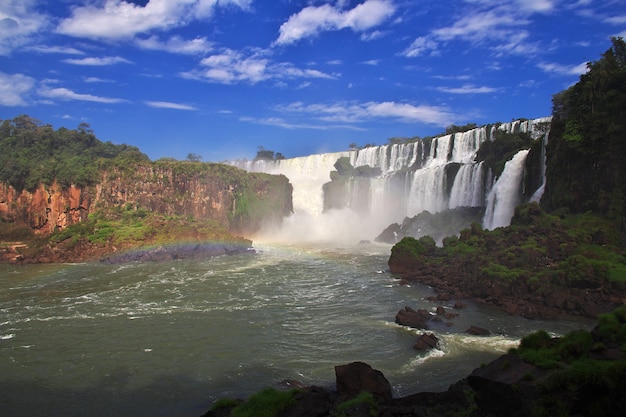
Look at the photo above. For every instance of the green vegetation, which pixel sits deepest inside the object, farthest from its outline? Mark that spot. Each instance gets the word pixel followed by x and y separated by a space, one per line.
pixel 588 369
pixel 11 232
pixel 32 153
pixel 364 399
pixel 130 227
pixel 504 146
pixel 266 403
pixel 587 147
pixel 268 155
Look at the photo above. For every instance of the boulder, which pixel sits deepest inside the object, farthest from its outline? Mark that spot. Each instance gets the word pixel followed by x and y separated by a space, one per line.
pixel 357 377
pixel 411 318
pixel 477 331
pixel 426 341
pixel 506 387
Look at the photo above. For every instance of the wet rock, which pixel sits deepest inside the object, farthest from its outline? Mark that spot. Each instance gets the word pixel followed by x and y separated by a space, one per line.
pixel 357 377
pixel 411 318
pixel 477 331
pixel 426 341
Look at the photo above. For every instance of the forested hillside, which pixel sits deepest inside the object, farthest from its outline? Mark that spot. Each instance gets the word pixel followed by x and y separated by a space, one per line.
pixel 32 153
pixel 586 153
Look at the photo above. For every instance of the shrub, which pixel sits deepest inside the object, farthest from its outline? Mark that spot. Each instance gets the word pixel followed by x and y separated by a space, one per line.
pixel 363 399
pixel 266 403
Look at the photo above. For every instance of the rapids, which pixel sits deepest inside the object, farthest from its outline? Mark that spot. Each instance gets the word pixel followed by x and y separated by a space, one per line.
pixel 167 339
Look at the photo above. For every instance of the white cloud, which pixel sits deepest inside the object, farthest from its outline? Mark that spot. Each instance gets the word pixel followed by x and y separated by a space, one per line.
pixel 312 20
pixel 96 80
pixel 563 69
pixel 616 20
pixel 420 46
pixel 468 89
pixel 230 67
pixel 177 45
pixel 66 94
pixel 56 50
pixel 355 112
pixel 107 60
pixel 13 88
pixel 118 19
pixel 19 22
pixel 488 23
pixel 169 105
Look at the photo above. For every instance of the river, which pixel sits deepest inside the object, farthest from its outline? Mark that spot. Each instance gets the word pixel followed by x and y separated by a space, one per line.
pixel 167 339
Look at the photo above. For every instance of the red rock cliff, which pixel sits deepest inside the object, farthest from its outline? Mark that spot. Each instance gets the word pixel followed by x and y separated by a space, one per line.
pixel 241 201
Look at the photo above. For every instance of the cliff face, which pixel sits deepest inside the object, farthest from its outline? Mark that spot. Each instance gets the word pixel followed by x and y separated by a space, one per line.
pixel 240 201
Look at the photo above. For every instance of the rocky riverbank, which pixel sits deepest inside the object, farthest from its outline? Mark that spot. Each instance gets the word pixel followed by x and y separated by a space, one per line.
pixel 580 374
pixel 542 266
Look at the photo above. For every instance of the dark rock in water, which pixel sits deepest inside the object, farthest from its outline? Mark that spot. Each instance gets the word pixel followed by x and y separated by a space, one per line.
pixel 477 331
pixel 426 341
pixel 411 318
pixel 356 377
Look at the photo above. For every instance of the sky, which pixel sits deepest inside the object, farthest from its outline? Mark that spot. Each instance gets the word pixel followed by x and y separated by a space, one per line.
pixel 225 78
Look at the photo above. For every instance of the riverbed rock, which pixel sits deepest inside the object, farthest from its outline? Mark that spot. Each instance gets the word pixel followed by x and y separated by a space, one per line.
pixel 411 318
pixel 477 331
pixel 426 341
pixel 357 377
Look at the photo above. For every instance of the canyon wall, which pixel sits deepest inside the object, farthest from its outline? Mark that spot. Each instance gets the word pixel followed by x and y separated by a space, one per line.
pixel 240 201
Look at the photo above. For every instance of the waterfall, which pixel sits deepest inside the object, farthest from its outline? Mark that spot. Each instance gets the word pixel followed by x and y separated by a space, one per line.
pixel 430 174
pixel 506 192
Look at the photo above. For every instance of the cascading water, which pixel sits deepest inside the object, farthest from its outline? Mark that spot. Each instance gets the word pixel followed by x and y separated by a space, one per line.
pixel 506 193
pixel 434 175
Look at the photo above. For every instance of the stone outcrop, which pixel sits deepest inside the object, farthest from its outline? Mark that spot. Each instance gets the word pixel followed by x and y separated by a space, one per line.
pixel 426 341
pixel 357 377
pixel 418 319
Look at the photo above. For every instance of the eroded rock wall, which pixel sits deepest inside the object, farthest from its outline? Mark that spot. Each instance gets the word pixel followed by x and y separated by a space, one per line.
pixel 204 196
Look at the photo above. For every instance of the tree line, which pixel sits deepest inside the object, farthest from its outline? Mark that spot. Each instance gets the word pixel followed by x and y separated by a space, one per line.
pixel 33 153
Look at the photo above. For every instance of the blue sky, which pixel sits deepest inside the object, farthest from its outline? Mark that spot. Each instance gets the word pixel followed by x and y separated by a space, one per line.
pixel 220 78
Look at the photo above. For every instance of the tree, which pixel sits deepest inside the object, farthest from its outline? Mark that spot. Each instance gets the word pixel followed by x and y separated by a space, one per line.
pixel 264 154
pixel 194 157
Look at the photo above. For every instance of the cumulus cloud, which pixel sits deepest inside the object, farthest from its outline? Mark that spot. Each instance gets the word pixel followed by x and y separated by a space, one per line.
pixel 96 62
pixel 169 105
pixel 118 19
pixel 66 94
pixel 312 20
pixel 19 22
pixel 230 67
pixel 356 112
pixel 13 88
